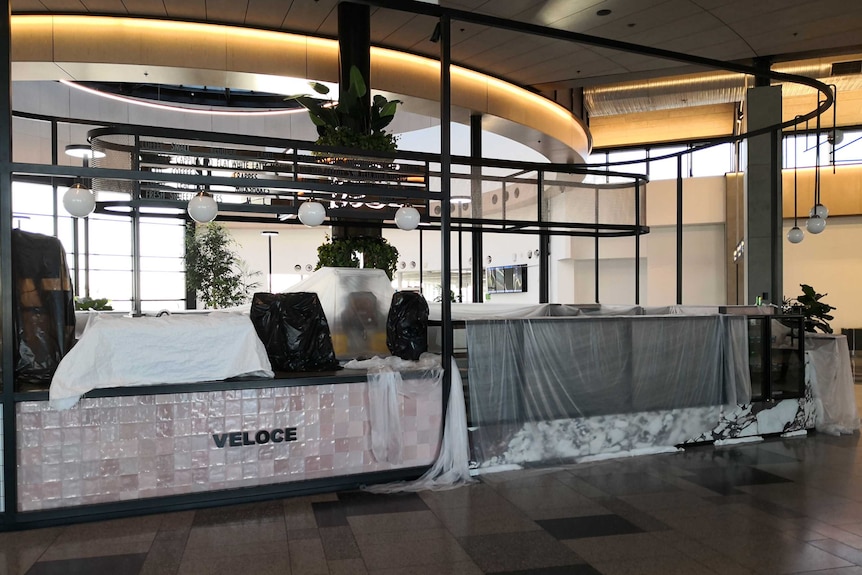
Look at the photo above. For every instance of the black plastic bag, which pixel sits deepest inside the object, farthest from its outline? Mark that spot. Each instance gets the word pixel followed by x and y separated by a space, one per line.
pixel 407 325
pixel 294 331
pixel 43 312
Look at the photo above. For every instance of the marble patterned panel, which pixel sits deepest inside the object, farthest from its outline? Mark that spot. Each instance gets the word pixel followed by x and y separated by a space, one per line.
pixel 120 448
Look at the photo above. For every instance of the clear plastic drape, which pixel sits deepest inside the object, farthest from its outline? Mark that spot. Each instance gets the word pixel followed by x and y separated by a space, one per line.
pixel 534 370
pixel 451 468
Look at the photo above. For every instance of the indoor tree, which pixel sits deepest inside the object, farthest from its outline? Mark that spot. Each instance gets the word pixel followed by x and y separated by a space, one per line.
pixel 213 269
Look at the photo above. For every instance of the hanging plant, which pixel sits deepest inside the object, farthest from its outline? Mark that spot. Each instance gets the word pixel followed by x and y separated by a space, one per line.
pixel 213 270
pixel 376 253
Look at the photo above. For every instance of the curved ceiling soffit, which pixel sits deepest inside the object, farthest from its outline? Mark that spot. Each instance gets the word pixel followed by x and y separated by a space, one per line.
pixel 95 48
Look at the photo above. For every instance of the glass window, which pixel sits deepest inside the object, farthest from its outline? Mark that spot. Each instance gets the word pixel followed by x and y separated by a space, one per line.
pixel 712 161
pixel 665 169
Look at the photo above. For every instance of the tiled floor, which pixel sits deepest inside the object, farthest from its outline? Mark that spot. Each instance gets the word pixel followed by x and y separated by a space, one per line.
pixel 781 506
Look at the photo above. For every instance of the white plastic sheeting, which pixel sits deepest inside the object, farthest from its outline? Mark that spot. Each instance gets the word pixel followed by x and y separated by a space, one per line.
pixel 832 384
pixel 118 351
pixel 451 468
pixel 556 369
pixel 356 303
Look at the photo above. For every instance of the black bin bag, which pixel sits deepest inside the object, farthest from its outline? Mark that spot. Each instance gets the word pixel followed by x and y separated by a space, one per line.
pixel 407 325
pixel 43 308
pixel 294 331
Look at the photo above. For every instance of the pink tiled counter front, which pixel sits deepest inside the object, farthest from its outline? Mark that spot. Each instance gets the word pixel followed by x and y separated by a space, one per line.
pixel 123 448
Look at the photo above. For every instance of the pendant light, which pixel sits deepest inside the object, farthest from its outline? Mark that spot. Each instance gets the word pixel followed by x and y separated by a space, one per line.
pixel 795 235
pixel 407 218
pixel 312 213
pixel 203 208
pixel 79 200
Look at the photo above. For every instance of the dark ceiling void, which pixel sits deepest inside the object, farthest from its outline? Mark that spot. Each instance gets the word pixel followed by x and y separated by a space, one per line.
pixel 195 95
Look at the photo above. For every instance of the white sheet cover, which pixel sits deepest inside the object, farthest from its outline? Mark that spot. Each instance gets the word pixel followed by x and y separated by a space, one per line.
pixel 125 351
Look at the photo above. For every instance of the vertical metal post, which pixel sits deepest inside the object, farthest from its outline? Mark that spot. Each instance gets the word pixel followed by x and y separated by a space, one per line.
pixel 137 307
pixel 10 475
pixel 679 230
pixel 476 269
pixel 637 242
pixel 596 241
pixel 421 262
pixel 445 197
pixel 544 242
pixel 460 264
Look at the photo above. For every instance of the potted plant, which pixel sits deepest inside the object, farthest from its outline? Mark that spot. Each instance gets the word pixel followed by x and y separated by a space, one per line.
pixel 213 270
pixel 342 253
pixel 347 124
pixel 816 312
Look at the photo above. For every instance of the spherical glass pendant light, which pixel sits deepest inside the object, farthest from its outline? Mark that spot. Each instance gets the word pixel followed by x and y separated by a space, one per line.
pixel 815 224
pixel 407 218
pixel 79 200
pixel 821 211
pixel 795 235
pixel 312 213
pixel 203 208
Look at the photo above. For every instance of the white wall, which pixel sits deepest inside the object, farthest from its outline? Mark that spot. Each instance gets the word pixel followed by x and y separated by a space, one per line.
pixel 831 263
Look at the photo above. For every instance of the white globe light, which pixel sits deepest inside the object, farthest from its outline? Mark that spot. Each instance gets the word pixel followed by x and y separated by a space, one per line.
pixel 835 136
pixel 312 214
pixel 795 235
pixel 407 218
pixel 79 201
pixel 819 209
pixel 203 208
pixel 815 224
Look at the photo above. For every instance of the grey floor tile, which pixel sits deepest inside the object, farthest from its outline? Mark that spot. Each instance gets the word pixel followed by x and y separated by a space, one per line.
pixel 19 550
pixel 217 537
pixel 339 543
pixel 664 565
pixel 164 557
pixel 307 557
pixel 459 568
pixel 591 526
pixel 500 519
pixel 346 567
pixel 413 553
pixel 99 546
pixel 518 551
pixel 262 511
pixel 839 549
pixel 385 522
pixel 620 547
pixel 90 565
pixel 276 563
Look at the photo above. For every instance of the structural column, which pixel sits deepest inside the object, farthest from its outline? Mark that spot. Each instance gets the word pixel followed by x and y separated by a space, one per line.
pixel 763 232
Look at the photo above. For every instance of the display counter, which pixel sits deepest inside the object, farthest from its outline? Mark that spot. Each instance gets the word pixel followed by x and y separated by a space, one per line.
pixel 290 434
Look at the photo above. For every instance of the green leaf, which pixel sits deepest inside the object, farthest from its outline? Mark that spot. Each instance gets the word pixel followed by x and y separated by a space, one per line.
pixel 357 84
pixel 319 88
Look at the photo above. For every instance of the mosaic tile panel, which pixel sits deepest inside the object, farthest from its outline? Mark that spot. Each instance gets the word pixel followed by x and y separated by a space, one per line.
pixel 122 448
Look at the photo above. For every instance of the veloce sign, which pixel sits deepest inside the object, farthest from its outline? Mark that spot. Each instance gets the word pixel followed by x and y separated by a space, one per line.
pixel 262 437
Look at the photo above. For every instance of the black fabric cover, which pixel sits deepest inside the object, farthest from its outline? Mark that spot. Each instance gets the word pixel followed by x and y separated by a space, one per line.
pixel 407 325
pixel 294 331
pixel 43 312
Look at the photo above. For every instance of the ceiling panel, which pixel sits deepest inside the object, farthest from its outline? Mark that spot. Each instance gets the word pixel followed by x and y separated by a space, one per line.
pixel 311 14
pixel 105 6
pixel 144 8
pixel 189 9
pixel 270 14
pixel 385 22
pixel 232 11
pixel 73 6
pixel 27 6
pixel 413 34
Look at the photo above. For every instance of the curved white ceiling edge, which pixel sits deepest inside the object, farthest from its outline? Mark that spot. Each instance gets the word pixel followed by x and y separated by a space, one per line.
pixel 95 48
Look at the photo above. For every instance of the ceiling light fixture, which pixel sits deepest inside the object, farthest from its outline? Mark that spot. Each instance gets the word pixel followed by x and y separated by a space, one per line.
pixel 183 109
pixel 203 208
pixel 79 199
pixel 312 213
